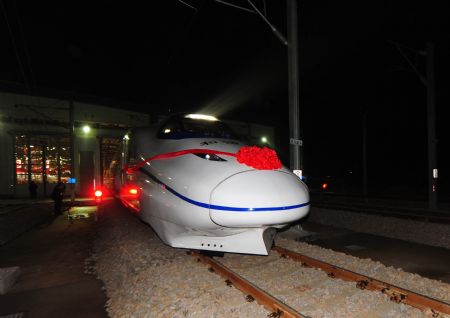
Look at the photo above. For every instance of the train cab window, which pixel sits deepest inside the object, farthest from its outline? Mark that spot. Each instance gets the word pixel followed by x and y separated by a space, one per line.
pixel 180 127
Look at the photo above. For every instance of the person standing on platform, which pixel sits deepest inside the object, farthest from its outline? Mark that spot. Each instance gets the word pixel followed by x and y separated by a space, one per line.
pixel 32 187
pixel 57 196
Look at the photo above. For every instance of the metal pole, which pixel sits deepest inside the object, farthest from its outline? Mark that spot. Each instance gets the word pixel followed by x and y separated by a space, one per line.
pixel 15 164
pixel 102 158
pixel 58 158
pixel 293 79
pixel 72 148
pixel 431 120
pixel 29 158
pixel 364 153
pixel 44 169
pixel 72 138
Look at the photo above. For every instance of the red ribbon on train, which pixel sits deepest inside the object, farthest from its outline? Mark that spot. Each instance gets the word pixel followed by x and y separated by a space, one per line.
pixel 256 157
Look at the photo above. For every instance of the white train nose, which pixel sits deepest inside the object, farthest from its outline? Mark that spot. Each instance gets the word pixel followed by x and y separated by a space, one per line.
pixel 259 198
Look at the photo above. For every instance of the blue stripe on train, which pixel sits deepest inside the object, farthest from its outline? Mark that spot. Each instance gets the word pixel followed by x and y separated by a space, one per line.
pixel 220 207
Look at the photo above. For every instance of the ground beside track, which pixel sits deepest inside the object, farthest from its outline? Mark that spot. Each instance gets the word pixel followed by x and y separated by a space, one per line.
pixel 140 274
pixel 51 258
pixel 421 232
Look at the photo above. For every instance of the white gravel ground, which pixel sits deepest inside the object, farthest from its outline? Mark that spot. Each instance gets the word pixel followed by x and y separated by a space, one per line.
pixel 145 278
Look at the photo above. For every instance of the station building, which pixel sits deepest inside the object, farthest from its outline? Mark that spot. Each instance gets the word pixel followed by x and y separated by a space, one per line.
pixel 50 139
pixel 46 140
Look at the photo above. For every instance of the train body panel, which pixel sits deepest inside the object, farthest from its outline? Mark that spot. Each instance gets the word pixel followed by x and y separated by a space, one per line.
pixel 259 198
pixel 195 193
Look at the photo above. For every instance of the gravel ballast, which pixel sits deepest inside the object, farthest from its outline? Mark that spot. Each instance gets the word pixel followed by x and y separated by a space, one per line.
pixel 394 276
pixel 145 278
pixel 427 233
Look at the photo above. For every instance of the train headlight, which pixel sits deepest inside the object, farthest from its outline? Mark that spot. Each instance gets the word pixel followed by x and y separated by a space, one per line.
pixel 201 117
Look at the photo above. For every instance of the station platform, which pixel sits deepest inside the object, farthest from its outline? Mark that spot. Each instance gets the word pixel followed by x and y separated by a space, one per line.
pixel 51 257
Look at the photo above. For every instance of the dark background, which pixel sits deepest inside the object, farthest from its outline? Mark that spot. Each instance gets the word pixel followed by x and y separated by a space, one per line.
pixel 163 56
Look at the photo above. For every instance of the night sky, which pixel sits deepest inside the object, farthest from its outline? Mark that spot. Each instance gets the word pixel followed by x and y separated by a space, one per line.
pixel 169 57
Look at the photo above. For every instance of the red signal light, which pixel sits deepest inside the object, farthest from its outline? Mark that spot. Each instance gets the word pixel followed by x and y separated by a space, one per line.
pixel 324 186
pixel 98 193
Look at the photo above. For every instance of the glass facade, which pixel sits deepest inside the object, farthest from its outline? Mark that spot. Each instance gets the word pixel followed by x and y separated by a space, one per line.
pixel 36 160
pixel 42 158
pixel 51 161
pixel 64 159
pixel 21 155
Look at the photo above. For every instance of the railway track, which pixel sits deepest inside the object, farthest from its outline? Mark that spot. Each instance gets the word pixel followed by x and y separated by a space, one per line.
pixel 416 214
pixel 277 308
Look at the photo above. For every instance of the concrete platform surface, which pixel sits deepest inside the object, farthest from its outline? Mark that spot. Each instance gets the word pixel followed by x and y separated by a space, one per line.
pixel 52 282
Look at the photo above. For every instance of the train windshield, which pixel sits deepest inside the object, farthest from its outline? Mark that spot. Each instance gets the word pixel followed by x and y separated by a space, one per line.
pixel 180 127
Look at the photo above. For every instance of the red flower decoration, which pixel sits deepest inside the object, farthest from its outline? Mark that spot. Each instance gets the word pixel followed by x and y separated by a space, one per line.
pixel 255 157
pixel 258 158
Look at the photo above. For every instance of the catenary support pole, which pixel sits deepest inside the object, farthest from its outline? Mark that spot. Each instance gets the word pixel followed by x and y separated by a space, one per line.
pixel 431 120
pixel 428 81
pixel 44 169
pixel 72 138
pixel 293 79
pixel 364 154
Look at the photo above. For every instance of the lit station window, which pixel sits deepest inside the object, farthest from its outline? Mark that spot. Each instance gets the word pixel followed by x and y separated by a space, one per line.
pixel 40 158
pixel 21 154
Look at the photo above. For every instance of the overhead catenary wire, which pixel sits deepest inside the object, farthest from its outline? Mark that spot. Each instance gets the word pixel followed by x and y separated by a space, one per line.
pixel 27 54
pixel 186 29
pixel 411 64
pixel 24 42
pixel 13 41
pixel 274 29
pixel 188 5
pixel 175 49
pixel 258 12
pixel 235 6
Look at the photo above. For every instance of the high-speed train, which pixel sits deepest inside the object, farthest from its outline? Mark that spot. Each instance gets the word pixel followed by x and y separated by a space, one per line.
pixel 199 187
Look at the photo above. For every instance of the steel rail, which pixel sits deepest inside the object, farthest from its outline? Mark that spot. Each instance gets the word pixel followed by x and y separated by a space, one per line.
pixel 395 293
pixel 412 214
pixel 252 292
